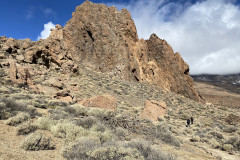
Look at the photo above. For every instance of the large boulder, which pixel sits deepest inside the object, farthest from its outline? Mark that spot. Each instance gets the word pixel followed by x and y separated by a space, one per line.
pixel 104 101
pixel 154 110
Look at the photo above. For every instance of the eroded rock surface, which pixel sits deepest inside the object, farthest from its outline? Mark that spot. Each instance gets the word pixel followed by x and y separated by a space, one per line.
pixel 154 110
pixel 103 101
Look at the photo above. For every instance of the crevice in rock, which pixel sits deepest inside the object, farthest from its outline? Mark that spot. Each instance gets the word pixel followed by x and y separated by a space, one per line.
pixel 136 78
pixel 186 71
pixel 9 50
pixel 90 35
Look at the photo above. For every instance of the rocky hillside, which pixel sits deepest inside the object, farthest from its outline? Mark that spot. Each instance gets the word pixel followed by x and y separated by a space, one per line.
pixel 93 90
pixel 103 39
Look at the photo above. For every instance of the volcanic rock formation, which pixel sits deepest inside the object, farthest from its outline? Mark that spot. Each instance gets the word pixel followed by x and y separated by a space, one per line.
pixel 103 39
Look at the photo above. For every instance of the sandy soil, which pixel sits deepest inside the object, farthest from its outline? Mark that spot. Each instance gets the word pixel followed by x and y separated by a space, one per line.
pixel 10 146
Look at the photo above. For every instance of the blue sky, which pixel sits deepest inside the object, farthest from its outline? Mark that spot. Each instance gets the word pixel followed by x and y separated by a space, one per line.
pixel 25 18
pixel 205 32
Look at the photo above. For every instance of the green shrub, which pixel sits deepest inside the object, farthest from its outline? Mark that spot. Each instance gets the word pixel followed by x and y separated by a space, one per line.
pixel 68 130
pixel 86 122
pixel 37 141
pixel 195 139
pixel 103 136
pixel 80 149
pixel 99 127
pixel 213 142
pixel 148 151
pixel 162 132
pixel 235 142
pixel 227 147
pixel 59 114
pixel 121 133
pixel 89 148
pixel 217 135
pixel 9 108
pixel 230 129
pixel 26 128
pixel 44 123
pixel 113 153
pixel 19 118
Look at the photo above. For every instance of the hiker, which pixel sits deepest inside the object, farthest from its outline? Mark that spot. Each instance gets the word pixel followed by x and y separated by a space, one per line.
pixel 188 123
pixel 191 120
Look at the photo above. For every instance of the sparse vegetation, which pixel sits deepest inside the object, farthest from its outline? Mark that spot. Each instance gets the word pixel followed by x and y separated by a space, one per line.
pixel 93 133
pixel 162 132
pixel 19 118
pixel 230 129
pixel 122 133
pixel 90 148
pixel 86 122
pixel 44 123
pixel 9 108
pixel 68 130
pixel 26 128
pixel 37 141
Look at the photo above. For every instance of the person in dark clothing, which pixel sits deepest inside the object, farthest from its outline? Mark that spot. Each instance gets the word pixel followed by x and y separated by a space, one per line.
pixel 191 120
pixel 188 123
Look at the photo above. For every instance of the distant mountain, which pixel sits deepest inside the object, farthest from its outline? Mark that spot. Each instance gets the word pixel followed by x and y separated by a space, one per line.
pixel 230 82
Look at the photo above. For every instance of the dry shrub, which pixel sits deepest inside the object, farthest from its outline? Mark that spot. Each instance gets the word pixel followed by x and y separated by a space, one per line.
pixel 113 153
pixel 19 118
pixel 148 151
pixel 37 141
pixel 217 135
pixel 44 123
pixel 9 108
pixel 235 142
pixel 79 149
pixel 230 129
pixel 195 139
pixel 162 132
pixel 227 147
pixel 103 136
pixel 68 130
pixel 98 127
pixel 213 142
pixel 89 148
pixel 26 128
pixel 59 113
pixel 86 122
pixel 121 133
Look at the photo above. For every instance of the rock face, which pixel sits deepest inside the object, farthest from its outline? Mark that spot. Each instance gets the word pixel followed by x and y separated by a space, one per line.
pixel 154 110
pixel 104 39
pixel 102 101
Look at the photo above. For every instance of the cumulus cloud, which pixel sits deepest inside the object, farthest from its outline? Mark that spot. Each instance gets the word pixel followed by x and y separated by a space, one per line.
pixel 46 31
pixel 206 33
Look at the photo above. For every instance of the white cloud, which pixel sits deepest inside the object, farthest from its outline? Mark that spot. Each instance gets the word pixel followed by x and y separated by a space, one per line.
pixel 205 33
pixel 30 13
pixel 49 12
pixel 46 31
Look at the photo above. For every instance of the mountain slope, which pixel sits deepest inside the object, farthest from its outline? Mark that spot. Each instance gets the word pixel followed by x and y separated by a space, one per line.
pixel 104 39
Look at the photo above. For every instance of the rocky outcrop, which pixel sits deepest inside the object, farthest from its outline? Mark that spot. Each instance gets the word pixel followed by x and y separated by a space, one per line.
pixel 154 110
pixel 102 101
pixel 104 39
